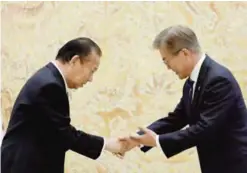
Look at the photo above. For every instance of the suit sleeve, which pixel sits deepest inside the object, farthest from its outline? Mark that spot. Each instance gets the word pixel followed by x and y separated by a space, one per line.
pixel 76 140
pixel 174 121
pixel 218 99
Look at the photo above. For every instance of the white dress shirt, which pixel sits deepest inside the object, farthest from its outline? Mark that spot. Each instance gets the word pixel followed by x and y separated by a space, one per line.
pixel 193 76
pixel 195 72
pixel 2 131
pixel 60 71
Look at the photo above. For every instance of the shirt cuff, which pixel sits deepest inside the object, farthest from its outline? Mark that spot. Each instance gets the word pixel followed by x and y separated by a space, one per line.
pixel 158 142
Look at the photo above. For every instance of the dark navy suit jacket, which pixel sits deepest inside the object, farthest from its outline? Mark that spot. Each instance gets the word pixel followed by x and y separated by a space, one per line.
pixel 39 132
pixel 217 122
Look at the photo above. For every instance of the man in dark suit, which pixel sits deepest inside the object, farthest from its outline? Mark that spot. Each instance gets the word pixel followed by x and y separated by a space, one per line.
pixel 212 105
pixel 39 131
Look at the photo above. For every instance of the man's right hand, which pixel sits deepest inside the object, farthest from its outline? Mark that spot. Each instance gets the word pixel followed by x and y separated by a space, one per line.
pixel 119 146
pixel 114 145
pixel 129 143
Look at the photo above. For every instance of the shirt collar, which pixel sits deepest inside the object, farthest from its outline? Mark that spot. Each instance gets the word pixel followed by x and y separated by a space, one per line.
pixel 195 72
pixel 60 71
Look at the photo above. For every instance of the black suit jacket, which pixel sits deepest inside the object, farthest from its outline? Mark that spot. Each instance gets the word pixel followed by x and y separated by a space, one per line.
pixel 39 132
pixel 217 122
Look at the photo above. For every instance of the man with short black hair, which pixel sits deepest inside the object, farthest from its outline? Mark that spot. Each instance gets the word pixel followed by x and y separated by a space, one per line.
pixel 39 131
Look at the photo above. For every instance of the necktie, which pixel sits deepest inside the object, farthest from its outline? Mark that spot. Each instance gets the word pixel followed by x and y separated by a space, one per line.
pixel 190 89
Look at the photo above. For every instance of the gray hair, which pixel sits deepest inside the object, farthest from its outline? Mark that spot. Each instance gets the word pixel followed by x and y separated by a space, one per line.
pixel 176 38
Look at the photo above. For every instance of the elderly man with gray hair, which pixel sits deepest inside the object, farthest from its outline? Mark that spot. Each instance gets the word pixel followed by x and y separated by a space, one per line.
pixel 211 104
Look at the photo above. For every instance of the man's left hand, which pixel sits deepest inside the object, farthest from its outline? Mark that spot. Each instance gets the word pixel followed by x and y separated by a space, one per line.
pixel 147 139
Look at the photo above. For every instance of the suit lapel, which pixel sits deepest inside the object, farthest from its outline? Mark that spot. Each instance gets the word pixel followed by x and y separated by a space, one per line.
pixel 59 78
pixel 200 81
pixel 57 75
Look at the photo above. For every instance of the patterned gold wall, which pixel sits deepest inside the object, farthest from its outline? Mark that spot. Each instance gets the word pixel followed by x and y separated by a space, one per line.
pixel 132 86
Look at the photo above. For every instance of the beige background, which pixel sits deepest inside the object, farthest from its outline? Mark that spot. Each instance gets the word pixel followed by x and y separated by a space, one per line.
pixel 132 86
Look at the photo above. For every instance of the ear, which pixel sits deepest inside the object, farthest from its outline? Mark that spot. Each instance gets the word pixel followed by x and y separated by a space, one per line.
pixel 74 59
pixel 186 52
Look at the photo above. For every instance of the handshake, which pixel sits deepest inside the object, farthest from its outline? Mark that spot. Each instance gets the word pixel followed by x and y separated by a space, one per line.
pixel 119 146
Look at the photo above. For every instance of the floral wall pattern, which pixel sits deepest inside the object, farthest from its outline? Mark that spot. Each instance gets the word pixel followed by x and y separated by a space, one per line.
pixel 132 86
